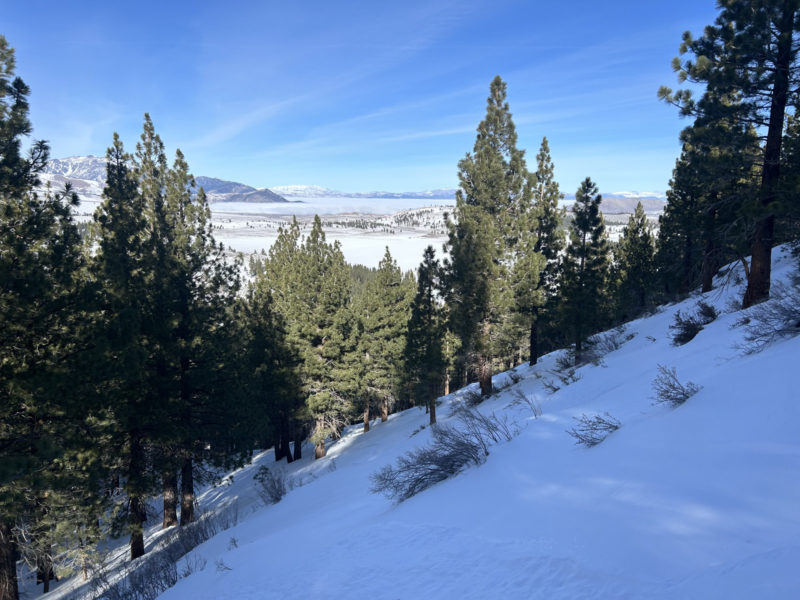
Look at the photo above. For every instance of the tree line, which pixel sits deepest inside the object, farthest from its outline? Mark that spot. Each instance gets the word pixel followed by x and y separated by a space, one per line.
pixel 136 360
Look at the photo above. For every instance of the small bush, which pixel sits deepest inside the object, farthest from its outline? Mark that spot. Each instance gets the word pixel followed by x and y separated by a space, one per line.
pixel 271 485
pixel 550 386
pixel 192 564
pixel 777 318
pixel 520 398
pixel 144 579
pixel 590 431
pixel 451 450
pixel 706 312
pixel 566 361
pixel 686 327
pixel 472 397
pixel 604 343
pixel 569 377
pixel 670 390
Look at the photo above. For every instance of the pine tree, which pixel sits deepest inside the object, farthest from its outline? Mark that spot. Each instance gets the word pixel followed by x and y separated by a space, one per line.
pixel 121 268
pixel 423 354
pixel 40 286
pixel 311 287
pixel 383 315
pixel 703 225
pixel 494 192
pixel 549 243
pixel 636 264
pixel 586 267
pixel 749 53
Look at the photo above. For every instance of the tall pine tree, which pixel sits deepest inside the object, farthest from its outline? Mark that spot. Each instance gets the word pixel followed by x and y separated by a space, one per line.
pixel 749 53
pixel 423 355
pixel 495 190
pixel 586 265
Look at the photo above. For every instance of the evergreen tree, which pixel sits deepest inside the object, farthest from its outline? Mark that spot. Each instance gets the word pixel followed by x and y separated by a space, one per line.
pixel 41 422
pixel 749 53
pixel 311 287
pixel 586 267
pixel 549 243
pixel 703 226
pixel 384 317
pixel 121 268
pixel 636 264
pixel 494 193
pixel 423 354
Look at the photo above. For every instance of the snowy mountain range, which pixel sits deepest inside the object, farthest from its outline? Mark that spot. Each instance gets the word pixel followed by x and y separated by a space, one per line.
pixel 315 191
pixel 87 176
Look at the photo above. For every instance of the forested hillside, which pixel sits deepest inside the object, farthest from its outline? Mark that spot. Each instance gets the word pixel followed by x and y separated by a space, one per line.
pixel 139 361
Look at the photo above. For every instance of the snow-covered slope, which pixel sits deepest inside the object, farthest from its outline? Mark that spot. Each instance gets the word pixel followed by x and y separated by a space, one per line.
pixel 699 501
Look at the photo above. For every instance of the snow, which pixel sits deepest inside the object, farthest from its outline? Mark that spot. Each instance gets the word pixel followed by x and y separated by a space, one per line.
pixel 700 501
pixel 253 227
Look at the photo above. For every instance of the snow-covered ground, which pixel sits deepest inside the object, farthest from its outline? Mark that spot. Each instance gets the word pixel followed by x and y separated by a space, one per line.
pixel 363 226
pixel 699 501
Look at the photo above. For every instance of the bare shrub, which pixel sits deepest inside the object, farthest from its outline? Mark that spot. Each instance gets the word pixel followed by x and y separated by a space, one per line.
pixel 521 398
pixel 687 326
pixel 221 566
pixel 550 386
pixel 144 579
pixel 590 431
pixel 670 390
pixel 271 485
pixel 192 564
pixel 706 312
pixel 777 318
pixel 451 450
pixel 471 397
pixel 566 361
pixel 485 430
pixel 604 343
pixel 571 376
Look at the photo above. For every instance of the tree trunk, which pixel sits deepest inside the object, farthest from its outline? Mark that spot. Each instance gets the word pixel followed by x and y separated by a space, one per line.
pixel 485 375
pixel 319 450
pixel 710 252
pixel 44 572
pixel 432 404
pixel 137 512
pixel 137 517
pixel 384 410
pixel 446 382
pixel 366 416
pixel 298 442
pixel 187 492
pixel 685 284
pixel 277 447
pixel 169 481
pixel 761 263
pixel 286 449
pixel 534 337
pixel 8 563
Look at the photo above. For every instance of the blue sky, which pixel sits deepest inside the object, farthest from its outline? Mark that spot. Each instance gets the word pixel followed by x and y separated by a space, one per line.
pixel 359 96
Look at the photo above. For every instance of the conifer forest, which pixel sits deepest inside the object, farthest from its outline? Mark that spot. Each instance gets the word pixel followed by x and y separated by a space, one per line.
pixel 140 360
